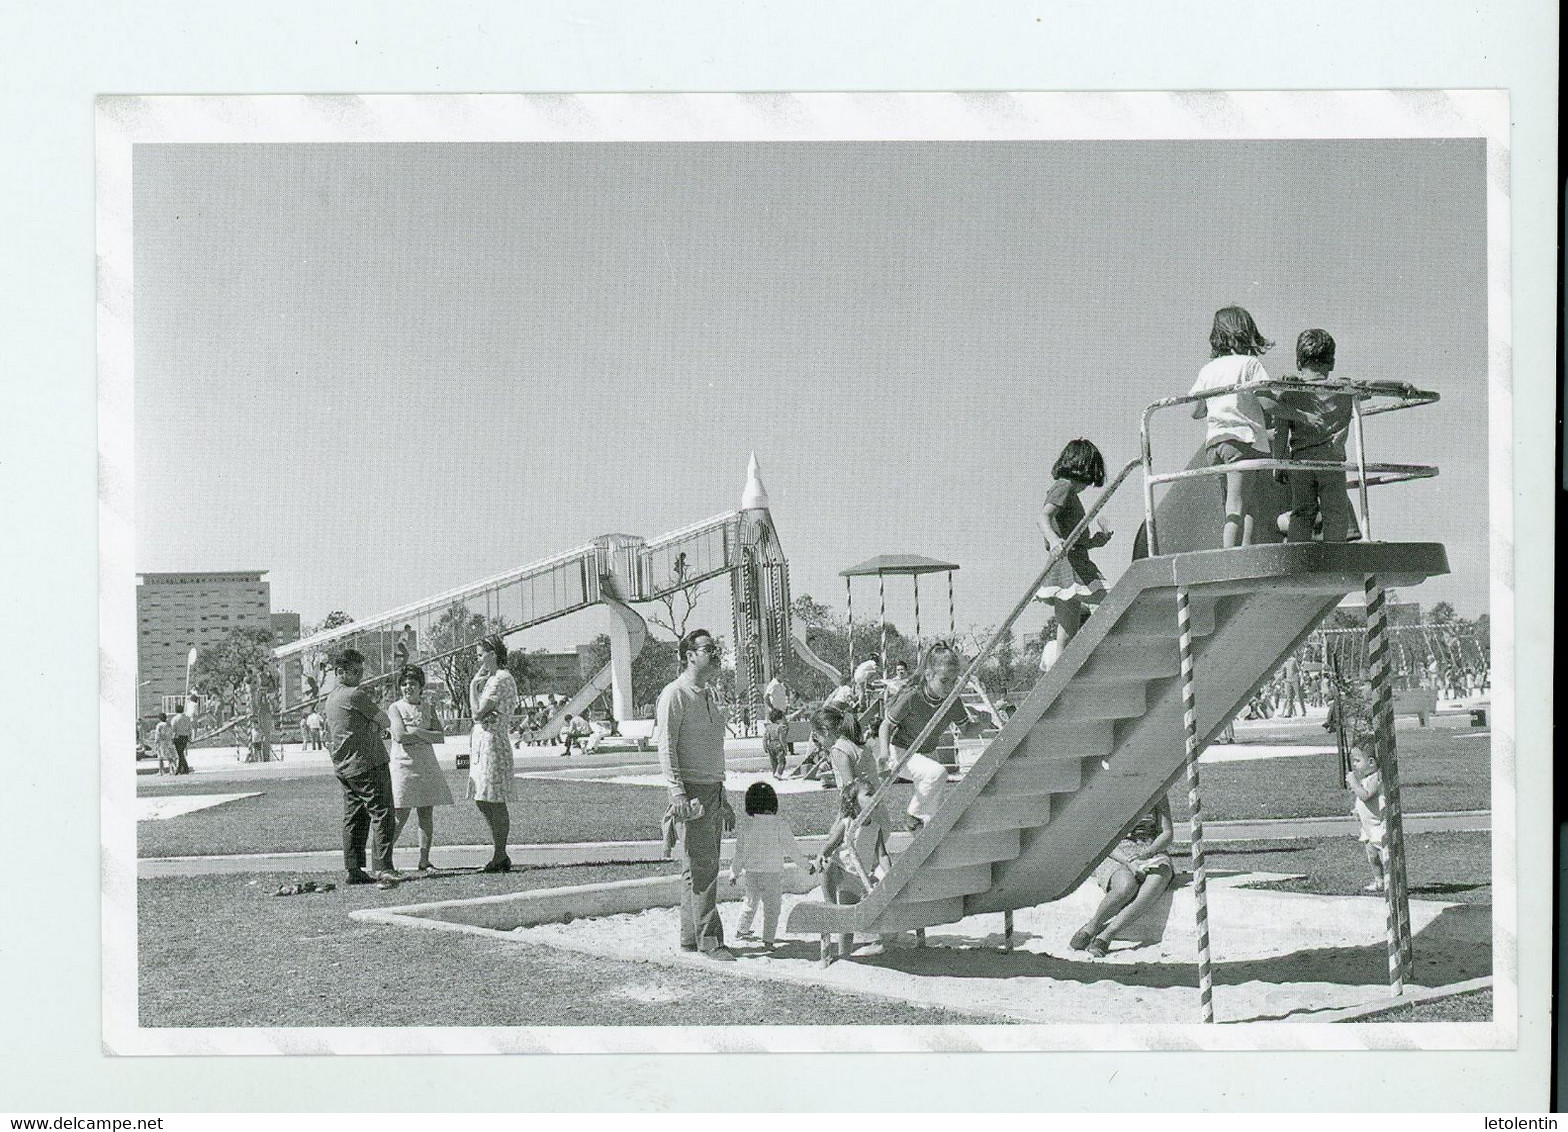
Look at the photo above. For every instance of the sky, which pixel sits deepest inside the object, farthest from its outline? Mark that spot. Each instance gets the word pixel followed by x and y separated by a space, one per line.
pixel 378 371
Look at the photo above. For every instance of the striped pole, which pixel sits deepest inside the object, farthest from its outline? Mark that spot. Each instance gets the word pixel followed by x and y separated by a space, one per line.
pixel 917 610
pixel 849 603
pixel 952 622
pixel 1200 877
pixel 882 603
pixel 1395 880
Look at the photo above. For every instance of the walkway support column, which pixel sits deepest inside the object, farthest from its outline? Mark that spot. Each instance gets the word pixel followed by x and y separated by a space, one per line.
pixel 1200 876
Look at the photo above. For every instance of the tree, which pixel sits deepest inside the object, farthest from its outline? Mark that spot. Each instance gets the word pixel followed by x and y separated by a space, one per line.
pixel 238 660
pixel 335 620
pixel 1442 614
pixel 997 676
pixel 812 613
pixel 523 670
pixel 678 603
pixel 655 666
pixel 451 640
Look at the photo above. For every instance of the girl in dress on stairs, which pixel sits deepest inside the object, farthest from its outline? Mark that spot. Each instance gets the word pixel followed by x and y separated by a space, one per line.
pixel 1074 585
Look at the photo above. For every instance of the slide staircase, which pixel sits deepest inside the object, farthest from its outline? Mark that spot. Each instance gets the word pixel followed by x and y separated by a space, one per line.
pixel 1100 737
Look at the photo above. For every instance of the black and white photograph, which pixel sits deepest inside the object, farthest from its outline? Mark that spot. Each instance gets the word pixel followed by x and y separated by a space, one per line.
pixel 794 572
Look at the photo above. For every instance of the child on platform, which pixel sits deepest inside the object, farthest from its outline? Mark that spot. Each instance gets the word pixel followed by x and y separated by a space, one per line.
pixel 775 742
pixel 1238 423
pixel 1074 585
pixel 1367 783
pixel 763 842
pixel 1316 429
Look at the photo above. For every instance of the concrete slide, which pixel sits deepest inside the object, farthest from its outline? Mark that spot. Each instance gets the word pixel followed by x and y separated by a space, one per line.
pixel 802 647
pixel 636 630
pixel 1038 810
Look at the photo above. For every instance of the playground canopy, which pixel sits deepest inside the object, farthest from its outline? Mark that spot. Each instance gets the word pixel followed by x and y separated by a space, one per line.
pixel 911 564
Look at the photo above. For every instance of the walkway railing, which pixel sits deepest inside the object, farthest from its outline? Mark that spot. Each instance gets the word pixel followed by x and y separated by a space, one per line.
pixel 1384 397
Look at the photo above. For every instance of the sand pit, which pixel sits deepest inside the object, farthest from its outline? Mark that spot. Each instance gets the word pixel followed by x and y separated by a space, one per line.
pixel 1278 956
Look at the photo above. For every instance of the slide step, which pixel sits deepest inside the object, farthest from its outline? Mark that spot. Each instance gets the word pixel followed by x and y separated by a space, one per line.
pixel 991 812
pixel 1025 775
pixel 959 849
pixel 1068 740
pixel 937 884
pixel 1100 701
pixel 1132 658
pixel 903 917
pixel 1154 615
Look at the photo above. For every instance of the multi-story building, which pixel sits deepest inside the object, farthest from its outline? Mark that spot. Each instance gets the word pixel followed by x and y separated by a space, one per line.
pixel 285 628
pixel 180 611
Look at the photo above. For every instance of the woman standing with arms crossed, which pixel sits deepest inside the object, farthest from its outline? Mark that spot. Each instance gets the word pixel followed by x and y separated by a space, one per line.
pixel 493 694
pixel 418 786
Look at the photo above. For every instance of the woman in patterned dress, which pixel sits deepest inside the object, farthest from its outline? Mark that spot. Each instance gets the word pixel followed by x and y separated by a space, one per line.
pixel 493 694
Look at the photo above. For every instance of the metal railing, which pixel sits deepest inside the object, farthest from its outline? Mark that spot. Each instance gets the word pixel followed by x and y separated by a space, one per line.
pixel 971 673
pixel 1386 397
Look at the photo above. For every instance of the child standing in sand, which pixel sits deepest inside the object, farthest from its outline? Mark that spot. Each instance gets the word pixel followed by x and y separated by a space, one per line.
pixel 775 741
pixel 1367 783
pixel 838 861
pixel 763 842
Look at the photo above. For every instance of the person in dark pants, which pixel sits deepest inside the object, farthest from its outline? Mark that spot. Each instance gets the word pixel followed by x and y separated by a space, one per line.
pixel 691 753
pixel 182 739
pixel 363 767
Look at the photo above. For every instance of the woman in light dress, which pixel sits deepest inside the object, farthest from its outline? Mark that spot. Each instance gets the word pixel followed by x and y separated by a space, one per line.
pixel 418 786
pixel 493 694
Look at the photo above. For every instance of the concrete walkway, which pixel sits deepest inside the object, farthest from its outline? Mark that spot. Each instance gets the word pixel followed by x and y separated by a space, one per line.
pixel 624 852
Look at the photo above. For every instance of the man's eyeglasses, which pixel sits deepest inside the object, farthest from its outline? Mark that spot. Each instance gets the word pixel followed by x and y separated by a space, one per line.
pixel 713 650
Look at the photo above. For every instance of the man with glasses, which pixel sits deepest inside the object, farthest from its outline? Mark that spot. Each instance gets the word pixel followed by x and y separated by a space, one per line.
pixel 691 753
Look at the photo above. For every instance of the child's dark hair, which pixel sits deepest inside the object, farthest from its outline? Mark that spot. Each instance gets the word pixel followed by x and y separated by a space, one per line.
pixel 1080 461
pixel 411 672
pixel 775 715
pixel 1315 351
pixel 849 801
pixel 828 719
pixel 761 799
pixel 1235 333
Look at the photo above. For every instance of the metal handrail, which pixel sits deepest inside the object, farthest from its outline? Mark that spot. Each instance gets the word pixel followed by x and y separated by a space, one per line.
pixel 1066 544
pixel 1401 395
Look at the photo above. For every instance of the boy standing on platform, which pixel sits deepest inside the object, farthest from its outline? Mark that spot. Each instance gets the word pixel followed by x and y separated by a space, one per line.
pixel 1317 424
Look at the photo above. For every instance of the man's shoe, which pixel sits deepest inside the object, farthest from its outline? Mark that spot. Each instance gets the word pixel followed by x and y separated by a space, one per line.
pixel 360 876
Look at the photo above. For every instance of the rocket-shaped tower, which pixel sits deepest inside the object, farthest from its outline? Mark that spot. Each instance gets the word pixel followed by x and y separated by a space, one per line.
pixel 759 592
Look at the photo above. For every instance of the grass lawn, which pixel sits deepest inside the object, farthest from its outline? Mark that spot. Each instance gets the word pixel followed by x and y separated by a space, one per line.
pixel 1453 868
pixel 1439 771
pixel 222 951
pixel 302 813
pixel 1473 1007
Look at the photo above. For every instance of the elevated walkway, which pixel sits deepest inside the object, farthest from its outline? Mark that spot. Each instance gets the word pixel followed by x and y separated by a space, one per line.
pixel 1100 737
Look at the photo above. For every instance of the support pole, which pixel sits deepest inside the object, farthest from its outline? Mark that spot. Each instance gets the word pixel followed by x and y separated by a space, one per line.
pixel 952 623
pixel 1395 881
pixel 882 600
pixel 1200 876
pixel 849 603
pixel 917 610
pixel 1007 930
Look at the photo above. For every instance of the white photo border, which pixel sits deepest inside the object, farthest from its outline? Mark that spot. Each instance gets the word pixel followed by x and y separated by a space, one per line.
pixel 126 121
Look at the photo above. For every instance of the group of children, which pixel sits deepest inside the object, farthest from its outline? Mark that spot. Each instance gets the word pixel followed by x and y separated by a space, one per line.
pixel 1245 423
